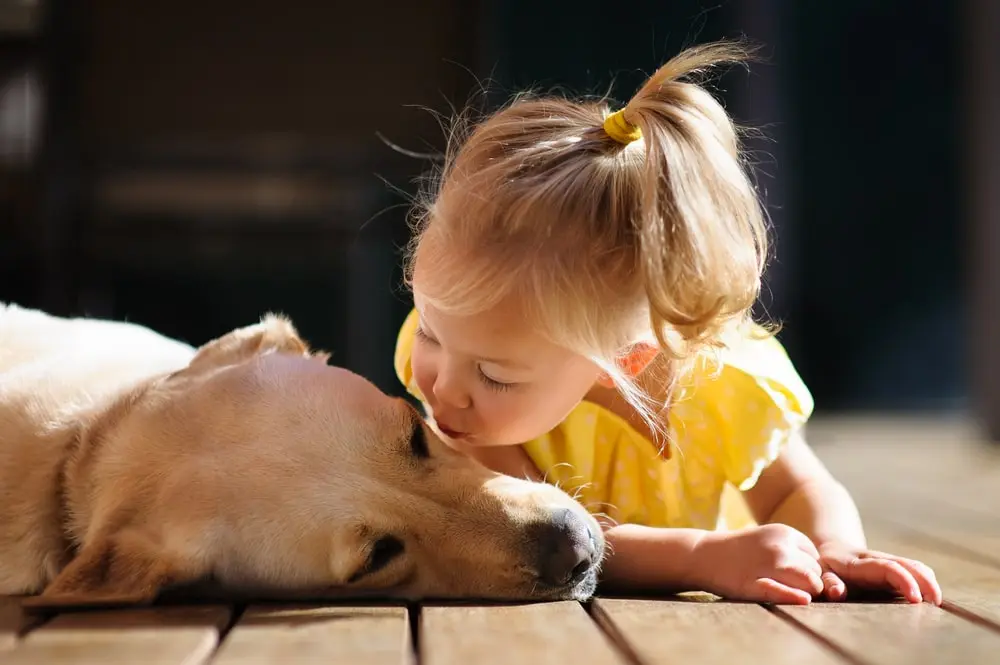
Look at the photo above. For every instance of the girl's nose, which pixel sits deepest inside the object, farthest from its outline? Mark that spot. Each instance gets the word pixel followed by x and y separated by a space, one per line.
pixel 451 392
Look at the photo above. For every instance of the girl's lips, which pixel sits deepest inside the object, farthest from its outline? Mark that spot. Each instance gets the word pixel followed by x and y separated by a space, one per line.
pixel 452 434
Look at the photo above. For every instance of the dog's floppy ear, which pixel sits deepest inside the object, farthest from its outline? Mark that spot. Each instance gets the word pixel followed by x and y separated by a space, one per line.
pixel 125 568
pixel 273 333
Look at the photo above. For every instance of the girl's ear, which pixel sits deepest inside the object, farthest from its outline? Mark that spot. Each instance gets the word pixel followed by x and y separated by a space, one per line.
pixel 632 363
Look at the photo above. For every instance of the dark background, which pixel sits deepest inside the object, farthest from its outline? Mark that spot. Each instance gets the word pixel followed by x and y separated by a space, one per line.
pixel 189 165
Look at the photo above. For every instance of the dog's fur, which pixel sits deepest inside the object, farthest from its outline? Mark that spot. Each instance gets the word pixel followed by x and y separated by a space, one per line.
pixel 131 463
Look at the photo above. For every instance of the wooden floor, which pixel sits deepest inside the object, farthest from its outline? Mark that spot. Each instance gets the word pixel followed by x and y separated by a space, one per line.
pixel 927 490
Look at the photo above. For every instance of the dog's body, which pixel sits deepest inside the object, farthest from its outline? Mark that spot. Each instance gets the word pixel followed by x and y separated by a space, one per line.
pixel 130 462
pixel 53 373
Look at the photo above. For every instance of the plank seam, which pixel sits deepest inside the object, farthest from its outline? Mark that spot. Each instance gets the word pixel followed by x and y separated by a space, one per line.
pixel 969 615
pixel 31 621
pixel 414 613
pixel 822 639
pixel 945 546
pixel 607 626
pixel 235 614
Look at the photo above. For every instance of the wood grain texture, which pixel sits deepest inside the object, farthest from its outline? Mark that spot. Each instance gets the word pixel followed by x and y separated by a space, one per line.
pixel 538 634
pixel 368 635
pixel 683 631
pixel 157 636
pixel 925 476
pixel 968 585
pixel 898 633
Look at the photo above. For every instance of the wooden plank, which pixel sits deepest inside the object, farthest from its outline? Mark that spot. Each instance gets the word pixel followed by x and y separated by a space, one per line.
pixel 889 633
pixel 155 636
pixel 926 431
pixel 13 621
pixel 901 452
pixel 369 635
pixel 538 633
pixel 941 481
pixel 971 587
pixel 687 631
pixel 959 540
pixel 984 548
pixel 916 511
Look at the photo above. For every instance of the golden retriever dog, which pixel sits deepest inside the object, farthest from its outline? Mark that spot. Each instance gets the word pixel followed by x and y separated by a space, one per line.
pixel 131 464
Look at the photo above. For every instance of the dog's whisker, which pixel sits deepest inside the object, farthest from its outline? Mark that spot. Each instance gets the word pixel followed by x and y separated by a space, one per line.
pixel 545 477
pixel 608 507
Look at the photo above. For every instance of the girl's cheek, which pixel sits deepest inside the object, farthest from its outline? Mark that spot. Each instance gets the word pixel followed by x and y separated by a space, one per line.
pixel 423 375
pixel 503 414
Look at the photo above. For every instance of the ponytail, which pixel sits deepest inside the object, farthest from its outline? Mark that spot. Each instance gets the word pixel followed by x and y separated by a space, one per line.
pixel 702 239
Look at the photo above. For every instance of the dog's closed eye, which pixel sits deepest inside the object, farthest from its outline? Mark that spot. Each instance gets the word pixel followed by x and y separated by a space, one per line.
pixel 418 440
pixel 382 552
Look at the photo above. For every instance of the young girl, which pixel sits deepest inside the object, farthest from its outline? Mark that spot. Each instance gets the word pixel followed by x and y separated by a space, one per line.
pixel 582 284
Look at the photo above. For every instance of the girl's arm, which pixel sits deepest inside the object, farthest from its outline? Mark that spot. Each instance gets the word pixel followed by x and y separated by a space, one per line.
pixel 798 491
pixel 651 559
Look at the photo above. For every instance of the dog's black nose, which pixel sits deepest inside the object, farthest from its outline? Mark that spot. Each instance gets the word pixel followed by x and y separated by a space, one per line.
pixel 566 548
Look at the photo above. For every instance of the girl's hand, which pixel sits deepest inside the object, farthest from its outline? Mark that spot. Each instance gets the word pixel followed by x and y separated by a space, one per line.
pixel 845 567
pixel 771 563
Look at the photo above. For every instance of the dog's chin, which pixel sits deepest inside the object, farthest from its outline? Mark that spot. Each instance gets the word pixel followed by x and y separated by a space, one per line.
pixel 581 591
pixel 585 589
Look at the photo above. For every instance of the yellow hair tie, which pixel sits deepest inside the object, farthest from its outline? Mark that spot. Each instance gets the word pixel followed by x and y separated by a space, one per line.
pixel 620 129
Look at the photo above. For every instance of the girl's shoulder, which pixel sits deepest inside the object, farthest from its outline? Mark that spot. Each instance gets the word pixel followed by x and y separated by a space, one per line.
pixel 736 407
pixel 751 367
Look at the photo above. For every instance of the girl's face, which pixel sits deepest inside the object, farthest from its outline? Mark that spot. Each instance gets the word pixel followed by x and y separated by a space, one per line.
pixel 489 381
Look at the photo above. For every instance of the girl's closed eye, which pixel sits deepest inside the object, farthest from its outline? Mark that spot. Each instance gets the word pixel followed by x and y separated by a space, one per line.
pixel 493 384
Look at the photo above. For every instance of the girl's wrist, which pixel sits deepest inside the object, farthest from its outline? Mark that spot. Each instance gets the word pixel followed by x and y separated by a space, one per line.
pixel 705 564
pixel 664 559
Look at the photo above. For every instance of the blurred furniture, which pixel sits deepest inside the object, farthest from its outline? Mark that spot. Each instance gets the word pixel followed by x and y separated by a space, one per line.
pixel 200 163
pixel 23 62
pixel 224 129
pixel 194 239
pixel 982 143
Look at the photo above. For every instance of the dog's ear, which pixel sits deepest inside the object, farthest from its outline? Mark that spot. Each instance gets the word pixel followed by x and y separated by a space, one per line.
pixel 273 333
pixel 124 569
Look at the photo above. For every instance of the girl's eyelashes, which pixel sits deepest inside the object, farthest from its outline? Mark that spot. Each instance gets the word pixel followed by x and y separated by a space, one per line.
pixel 493 384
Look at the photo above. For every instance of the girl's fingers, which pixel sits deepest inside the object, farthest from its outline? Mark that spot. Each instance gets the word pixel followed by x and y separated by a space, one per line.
pixel 802 572
pixel 833 587
pixel 772 591
pixel 925 578
pixel 875 573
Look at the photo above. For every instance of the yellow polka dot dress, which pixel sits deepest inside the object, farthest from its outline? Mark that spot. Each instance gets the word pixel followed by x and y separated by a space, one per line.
pixel 727 424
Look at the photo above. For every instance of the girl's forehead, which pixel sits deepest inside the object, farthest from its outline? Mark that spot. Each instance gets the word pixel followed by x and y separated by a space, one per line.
pixel 500 334
pixel 487 325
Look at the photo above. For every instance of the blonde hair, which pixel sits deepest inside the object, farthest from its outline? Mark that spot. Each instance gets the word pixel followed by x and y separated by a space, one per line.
pixel 603 242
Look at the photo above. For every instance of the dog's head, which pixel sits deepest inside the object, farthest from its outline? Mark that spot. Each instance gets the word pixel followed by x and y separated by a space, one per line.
pixel 263 467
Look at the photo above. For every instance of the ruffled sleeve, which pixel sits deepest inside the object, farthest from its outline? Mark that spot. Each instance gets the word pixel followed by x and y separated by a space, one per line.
pixel 404 351
pixel 750 407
